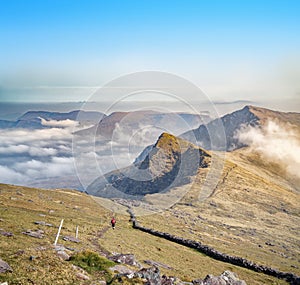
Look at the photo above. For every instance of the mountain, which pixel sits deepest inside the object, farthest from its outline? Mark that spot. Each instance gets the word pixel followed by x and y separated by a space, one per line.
pixel 178 122
pixel 169 163
pixel 221 133
pixel 32 119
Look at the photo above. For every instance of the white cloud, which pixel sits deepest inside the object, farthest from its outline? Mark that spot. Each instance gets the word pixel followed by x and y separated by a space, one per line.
pixel 56 167
pixel 11 176
pixel 60 123
pixel 275 143
pixel 14 149
pixel 25 136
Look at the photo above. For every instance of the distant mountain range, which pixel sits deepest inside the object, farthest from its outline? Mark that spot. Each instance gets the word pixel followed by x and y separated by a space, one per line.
pixel 220 133
pixel 169 163
pixel 177 122
pixel 33 119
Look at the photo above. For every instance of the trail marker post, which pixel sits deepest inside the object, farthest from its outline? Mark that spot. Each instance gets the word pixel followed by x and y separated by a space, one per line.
pixel 59 229
pixel 76 236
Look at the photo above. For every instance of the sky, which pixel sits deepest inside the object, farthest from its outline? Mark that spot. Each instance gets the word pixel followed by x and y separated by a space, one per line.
pixel 63 50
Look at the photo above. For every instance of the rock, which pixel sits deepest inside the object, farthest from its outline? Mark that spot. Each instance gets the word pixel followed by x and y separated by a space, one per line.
pixel 167 280
pixel 43 223
pixel 82 276
pixel 214 280
pixel 128 259
pixel 158 264
pixel 4 233
pixel 20 252
pixel 5 283
pixel 81 273
pixel 151 274
pixel 63 255
pixel 122 270
pixel 4 267
pixel 232 278
pixel 72 239
pixel 36 233
pixel 226 278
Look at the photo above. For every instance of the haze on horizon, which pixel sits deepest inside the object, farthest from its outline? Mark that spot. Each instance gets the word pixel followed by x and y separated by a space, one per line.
pixel 62 51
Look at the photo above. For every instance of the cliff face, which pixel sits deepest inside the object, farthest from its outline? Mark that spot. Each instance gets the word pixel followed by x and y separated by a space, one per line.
pixel 170 162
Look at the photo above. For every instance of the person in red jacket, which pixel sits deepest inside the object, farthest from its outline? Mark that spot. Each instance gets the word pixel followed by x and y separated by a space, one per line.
pixel 113 222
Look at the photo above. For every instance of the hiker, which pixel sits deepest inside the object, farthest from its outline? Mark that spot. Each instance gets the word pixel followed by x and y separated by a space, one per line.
pixel 113 222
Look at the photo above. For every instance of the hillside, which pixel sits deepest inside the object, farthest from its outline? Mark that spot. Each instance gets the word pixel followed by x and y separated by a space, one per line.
pixel 221 133
pixel 31 259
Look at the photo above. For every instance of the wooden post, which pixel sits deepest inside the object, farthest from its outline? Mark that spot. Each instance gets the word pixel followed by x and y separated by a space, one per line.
pixel 61 223
pixel 76 232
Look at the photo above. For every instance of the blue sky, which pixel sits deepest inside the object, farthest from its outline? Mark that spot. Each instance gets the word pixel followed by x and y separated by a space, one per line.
pixel 231 49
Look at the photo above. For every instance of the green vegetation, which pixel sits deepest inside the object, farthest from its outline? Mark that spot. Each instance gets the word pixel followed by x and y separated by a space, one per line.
pixel 91 262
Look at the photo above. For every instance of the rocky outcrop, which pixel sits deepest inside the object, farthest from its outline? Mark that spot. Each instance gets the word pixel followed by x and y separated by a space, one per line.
pixel 152 276
pixel 226 278
pixel 169 163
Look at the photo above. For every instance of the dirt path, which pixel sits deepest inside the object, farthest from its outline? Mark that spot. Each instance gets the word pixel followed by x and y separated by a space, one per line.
pixel 95 242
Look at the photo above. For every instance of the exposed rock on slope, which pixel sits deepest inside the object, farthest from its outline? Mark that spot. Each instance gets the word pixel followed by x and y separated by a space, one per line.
pixel 220 133
pixel 170 162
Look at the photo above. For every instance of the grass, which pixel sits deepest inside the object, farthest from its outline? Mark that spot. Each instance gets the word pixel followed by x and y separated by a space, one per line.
pixel 246 214
pixel 91 262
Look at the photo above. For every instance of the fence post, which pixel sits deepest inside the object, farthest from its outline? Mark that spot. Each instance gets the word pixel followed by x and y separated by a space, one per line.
pixel 61 223
pixel 76 232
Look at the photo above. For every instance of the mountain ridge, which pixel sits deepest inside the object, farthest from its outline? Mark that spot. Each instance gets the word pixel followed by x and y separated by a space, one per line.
pixel 208 136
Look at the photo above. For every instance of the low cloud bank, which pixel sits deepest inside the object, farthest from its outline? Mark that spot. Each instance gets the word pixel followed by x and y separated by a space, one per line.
pixel 275 143
pixel 56 157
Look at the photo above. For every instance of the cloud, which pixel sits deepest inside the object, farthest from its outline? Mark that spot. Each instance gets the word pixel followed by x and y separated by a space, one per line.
pixel 61 123
pixel 56 167
pixel 276 143
pixel 11 176
pixel 23 149
pixel 24 136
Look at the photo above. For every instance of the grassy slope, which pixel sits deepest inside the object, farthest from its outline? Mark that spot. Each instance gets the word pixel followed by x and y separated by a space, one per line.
pixel 246 213
pixel 247 210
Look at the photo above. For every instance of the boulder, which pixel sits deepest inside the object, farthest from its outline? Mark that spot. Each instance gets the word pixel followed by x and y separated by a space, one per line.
pixel 36 233
pixel 128 259
pixel 4 267
pixel 151 274
pixel 5 233
pixel 82 276
pixel 122 270
pixel 226 278
pixel 63 255
pixel 72 239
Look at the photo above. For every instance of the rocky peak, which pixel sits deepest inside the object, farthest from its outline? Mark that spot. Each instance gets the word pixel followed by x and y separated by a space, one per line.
pixel 220 133
pixel 170 162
